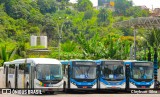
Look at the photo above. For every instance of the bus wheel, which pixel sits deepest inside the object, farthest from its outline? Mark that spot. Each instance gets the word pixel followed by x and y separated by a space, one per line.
pixel 64 88
pixel 9 85
pixel 52 92
pixel 27 86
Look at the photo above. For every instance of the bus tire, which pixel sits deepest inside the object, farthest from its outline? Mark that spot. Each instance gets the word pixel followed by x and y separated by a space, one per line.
pixel 27 86
pixel 52 92
pixel 64 88
pixel 9 85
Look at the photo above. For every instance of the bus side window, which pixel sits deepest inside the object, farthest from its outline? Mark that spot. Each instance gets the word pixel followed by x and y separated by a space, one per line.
pixel 66 70
pixel 4 69
pixel 63 68
pixel 11 69
pixel 128 70
pixel 27 68
pixel 21 68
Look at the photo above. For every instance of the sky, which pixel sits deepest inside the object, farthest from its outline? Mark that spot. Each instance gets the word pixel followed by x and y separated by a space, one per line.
pixel 148 3
pixel 95 2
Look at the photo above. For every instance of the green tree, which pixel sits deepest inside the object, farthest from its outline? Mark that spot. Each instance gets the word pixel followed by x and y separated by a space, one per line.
pixel 62 0
pixel 34 30
pixel 47 6
pixel 88 14
pixel 35 17
pixel 84 5
pixel 121 6
pixel 136 11
pixel 153 38
pixel 91 48
pixel 21 49
pixel 18 8
pixel 104 16
pixel 68 46
pixel 5 55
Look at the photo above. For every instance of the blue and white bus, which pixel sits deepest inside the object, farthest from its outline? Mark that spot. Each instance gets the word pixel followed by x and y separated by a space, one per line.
pixel 80 75
pixel 139 75
pixel 112 74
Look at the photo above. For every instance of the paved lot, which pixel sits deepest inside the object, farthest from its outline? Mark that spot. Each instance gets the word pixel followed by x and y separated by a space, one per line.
pixel 84 94
pixel 87 95
pixel 81 94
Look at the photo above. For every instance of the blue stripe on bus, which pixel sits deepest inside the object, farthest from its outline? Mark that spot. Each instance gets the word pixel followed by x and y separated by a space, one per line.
pixel 141 83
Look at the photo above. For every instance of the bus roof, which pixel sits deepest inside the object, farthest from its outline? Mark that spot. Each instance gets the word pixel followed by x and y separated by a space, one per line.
pixel 80 60
pixel 35 60
pixel 108 60
pixel 74 60
pixel 66 62
pixel 7 62
pixel 100 60
pixel 129 60
pixel 135 61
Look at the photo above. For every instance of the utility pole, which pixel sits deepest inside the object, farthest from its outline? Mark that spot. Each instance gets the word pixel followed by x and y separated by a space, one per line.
pixel 135 31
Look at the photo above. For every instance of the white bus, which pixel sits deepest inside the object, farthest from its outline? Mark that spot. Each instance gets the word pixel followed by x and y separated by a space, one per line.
pixel 34 73
pixel 1 78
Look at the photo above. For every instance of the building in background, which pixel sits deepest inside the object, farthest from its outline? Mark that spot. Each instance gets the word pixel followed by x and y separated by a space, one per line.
pixel 100 3
pixel 156 12
pixel 106 4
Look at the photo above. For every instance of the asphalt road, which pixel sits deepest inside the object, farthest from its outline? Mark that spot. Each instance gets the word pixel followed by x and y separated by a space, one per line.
pixel 85 94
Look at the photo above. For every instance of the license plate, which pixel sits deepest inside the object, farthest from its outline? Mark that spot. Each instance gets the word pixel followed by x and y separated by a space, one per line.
pixel 143 86
pixel 50 90
pixel 50 85
pixel 84 87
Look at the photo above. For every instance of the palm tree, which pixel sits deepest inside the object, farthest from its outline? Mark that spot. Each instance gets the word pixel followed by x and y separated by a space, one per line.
pixel 93 47
pixel 152 38
pixel 6 56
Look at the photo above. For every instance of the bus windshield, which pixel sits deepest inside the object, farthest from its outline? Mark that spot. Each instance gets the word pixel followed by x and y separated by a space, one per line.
pixel 49 72
pixel 84 72
pixel 142 72
pixel 112 72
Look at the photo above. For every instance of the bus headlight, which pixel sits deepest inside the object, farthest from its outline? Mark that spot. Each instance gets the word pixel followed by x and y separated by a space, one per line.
pixel 73 86
pixel 131 85
pixel 152 85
